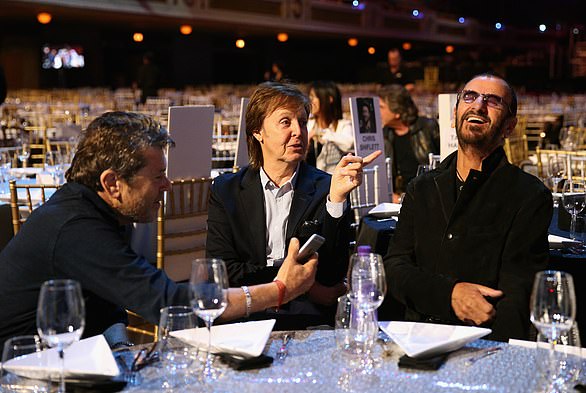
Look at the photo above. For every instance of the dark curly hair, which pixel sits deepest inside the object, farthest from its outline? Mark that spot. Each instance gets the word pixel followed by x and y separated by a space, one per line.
pixel 117 141
pixel 399 101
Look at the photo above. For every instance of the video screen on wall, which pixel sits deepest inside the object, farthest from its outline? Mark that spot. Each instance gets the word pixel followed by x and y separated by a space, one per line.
pixel 62 56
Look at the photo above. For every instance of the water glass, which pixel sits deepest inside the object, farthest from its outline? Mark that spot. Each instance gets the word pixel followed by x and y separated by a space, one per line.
pixel 574 200
pixel 15 348
pixel 60 317
pixel 209 286
pixel 177 355
pixel 553 312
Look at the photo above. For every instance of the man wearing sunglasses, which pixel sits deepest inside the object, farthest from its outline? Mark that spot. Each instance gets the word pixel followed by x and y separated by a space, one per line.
pixel 473 232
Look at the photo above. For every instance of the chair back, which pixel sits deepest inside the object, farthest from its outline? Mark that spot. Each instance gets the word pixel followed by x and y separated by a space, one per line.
pixel 24 202
pixel 182 226
pixel 366 195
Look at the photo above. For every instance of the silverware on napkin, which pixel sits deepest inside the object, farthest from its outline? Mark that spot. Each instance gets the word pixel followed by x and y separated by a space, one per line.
pixel 481 355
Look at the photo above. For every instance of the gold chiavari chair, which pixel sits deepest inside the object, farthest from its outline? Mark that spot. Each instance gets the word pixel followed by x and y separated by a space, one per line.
pixel 37 138
pixel 181 226
pixel 181 230
pixel 516 149
pixel 31 196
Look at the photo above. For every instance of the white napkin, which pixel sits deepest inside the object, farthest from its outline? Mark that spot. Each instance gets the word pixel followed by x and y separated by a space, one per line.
pixel 560 241
pixel 561 348
pixel 246 339
pixel 88 358
pixel 428 339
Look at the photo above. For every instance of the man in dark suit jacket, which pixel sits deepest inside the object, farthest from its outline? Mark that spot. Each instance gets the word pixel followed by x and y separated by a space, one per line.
pixel 473 233
pixel 254 213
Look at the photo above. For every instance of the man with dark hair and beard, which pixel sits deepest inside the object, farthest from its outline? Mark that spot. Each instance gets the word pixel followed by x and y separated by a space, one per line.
pixel 473 232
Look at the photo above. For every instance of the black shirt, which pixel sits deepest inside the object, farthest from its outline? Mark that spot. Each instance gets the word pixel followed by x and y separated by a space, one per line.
pixel 405 161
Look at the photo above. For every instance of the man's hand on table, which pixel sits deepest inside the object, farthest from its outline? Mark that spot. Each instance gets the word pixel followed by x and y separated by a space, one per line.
pixel 470 305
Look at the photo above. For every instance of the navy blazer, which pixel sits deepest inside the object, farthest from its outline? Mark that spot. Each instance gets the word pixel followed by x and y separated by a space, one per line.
pixel 237 232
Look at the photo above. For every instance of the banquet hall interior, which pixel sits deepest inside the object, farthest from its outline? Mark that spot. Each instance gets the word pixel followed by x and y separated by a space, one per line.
pixel 66 62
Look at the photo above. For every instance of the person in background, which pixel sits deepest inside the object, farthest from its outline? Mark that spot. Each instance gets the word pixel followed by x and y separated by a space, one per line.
pixel 409 138
pixel 395 73
pixel 117 177
pixel 255 212
pixel 473 232
pixel 276 73
pixel 330 136
pixel 148 77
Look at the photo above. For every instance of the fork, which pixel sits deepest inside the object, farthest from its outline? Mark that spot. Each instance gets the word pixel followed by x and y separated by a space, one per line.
pixel 481 355
pixel 283 350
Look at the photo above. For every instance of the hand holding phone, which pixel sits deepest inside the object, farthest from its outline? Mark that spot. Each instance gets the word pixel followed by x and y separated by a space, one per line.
pixel 311 245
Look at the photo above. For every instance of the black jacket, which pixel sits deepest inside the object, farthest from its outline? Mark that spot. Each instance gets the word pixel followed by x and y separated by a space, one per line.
pixel 493 234
pixel 424 138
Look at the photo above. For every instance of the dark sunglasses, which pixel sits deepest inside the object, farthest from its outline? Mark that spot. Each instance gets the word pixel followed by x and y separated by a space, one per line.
pixel 492 100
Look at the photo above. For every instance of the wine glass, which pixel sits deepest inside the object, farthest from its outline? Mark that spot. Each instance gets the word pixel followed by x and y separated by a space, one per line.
pixel 556 170
pixel 23 150
pixel 16 347
pixel 574 200
pixel 553 312
pixel 209 286
pixel 177 356
pixel 60 317
pixel 54 165
pixel 367 292
pixel 5 166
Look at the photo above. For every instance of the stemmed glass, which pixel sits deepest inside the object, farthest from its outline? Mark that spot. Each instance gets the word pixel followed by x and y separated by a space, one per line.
pixel 553 312
pixel 556 170
pixel 23 150
pixel 367 292
pixel 60 317
pixel 177 355
pixel 209 286
pixel 574 200
pixel 14 348
pixel 5 165
pixel 54 165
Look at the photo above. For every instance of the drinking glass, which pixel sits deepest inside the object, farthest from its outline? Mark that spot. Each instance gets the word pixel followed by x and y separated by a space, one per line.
pixel 556 170
pixel 60 317
pixel 209 286
pixel 5 166
pixel 177 355
pixel 368 287
pixel 15 348
pixel 54 165
pixel 23 150
pixel 574 200
pixel 553 312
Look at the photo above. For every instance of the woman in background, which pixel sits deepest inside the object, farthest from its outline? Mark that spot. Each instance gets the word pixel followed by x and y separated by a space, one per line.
pixel 330 135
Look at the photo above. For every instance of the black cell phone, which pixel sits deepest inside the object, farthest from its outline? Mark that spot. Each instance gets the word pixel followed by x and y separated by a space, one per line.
pixel 311 245
pixel 239 363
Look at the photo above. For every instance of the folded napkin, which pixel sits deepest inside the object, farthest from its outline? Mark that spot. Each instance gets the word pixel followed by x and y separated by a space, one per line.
pixel 247 339
pixel 581 352
pixel 88 358
pixel 556 241
pixel 422 340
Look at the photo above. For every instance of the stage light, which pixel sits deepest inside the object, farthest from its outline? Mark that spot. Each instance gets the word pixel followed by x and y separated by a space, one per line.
pixel 185 29
pixel 415 13
pixel 450 49
pixel 240 43
pixel 355 3
pixel 137 37
pixel 282 37
pixel 542 27
pixel 44 17
pixel 498 26
pixel 407 46
pixel 461 19
pixel 371 50
pixel 352 42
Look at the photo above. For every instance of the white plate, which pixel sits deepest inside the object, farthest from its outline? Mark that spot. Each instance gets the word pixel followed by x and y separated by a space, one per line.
pixel 247 338
pixel 88 358
pixel 385 210
pixel 556 241
pixel 428 339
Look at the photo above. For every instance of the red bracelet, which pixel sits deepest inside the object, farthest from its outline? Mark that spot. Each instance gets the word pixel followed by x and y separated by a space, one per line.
pixel 282 289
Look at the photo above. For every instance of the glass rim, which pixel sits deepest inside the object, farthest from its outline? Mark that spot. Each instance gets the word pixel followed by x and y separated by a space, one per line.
pixel 61 283
pixel 187 310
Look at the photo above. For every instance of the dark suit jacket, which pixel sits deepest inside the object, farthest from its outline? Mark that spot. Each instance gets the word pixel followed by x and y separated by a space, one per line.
pixel 237 232
pixel 493 234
